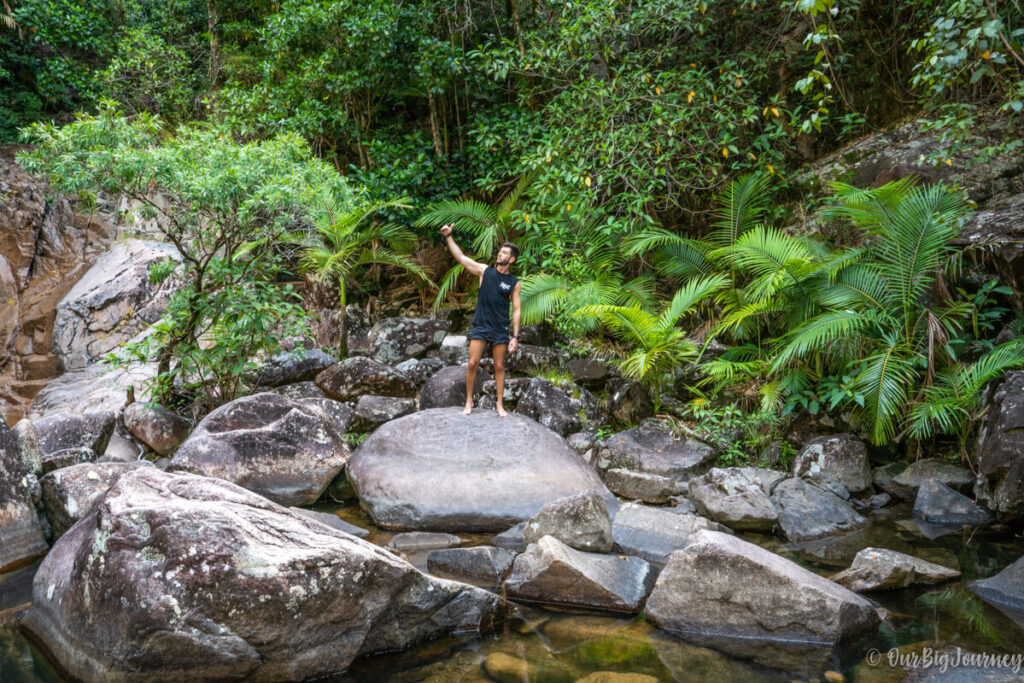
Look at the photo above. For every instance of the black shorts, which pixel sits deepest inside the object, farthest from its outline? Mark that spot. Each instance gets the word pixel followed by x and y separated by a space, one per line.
pixel 492 337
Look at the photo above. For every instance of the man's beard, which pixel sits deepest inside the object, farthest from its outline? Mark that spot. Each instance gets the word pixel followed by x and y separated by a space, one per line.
pixel 503 263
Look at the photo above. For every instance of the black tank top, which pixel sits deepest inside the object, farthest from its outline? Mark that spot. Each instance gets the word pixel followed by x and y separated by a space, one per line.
pixel 492 304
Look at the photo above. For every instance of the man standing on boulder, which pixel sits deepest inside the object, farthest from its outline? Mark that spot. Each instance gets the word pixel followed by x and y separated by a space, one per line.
pixel 490 322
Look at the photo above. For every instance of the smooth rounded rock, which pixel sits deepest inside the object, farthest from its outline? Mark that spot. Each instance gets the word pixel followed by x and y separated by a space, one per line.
pixel 288 451
pixel 442 470
pixel 581 522
pixel 161 429
pixel 358 375
pixel 447 387
pixel 653 448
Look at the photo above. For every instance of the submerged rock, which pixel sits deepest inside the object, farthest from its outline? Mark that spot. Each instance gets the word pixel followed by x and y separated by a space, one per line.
pixel 580 521
pixel 721 585
pixel 180 577
pixel 881 569
pixel 553 573
pixel 1005 588
pixel 440 470
pixel 286 450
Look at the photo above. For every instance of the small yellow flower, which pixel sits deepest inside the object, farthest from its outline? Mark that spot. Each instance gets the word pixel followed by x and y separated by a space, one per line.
pixel 725 152
pixel 689 98
pixel 657 91
pixel 587 181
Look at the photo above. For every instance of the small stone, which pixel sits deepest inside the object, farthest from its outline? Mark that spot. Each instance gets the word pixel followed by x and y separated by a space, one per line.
pixel 580 521
pixel 422 540
pixel 650 488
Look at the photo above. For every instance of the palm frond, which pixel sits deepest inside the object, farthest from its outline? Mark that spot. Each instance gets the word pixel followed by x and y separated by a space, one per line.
pixel 740 207
pixel 540 295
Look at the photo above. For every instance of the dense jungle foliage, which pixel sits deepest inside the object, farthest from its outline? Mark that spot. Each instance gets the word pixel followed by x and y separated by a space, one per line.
pixel 645 154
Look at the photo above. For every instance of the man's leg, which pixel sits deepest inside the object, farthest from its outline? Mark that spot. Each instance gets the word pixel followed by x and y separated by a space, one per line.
pixel 476 350
pixel 499 376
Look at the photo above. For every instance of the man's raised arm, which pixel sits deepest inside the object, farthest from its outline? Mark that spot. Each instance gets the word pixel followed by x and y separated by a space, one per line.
pixel 467 263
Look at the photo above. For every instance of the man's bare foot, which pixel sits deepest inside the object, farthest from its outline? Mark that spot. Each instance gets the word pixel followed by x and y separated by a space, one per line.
pixel 468 409
pixel 501 411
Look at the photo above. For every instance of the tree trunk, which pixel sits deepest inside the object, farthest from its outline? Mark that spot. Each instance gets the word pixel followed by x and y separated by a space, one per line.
pixel 211 27
pixel 434 123
pixel 342 333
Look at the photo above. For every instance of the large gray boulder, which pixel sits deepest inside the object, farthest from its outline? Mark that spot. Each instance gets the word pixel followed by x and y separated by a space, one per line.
pixel 882 569
pixel 736 497
pixel 721 585
pixel 111 303
pixel 1005 589
pixel 936 503
pixel 551 572
pixel 69 493
pixel 21 536
pixel 158 427
pixel 807 512
pixel 1000 482
pixel 441 470
pixel 176 577
pixel 419 370
pixel 837 458
pixel 653 448
pixel 291 367
pixel 358 375
pixel 654 533
pixel 393 340
pixel 371 411
pixel 60 431
pixel 286 450
pixel 447 387
pixel 580 521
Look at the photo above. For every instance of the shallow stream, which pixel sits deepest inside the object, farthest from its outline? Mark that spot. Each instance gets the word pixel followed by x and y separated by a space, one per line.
pixel 555 645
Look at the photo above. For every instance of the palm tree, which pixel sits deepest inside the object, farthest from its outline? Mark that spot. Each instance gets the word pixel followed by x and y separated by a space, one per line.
pixel 884 320
pixel 346 239
pixel 489 225
pixel 590 274
pixel 660 346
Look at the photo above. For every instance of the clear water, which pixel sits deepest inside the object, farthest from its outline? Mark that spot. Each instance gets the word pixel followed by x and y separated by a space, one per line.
pixel 548 645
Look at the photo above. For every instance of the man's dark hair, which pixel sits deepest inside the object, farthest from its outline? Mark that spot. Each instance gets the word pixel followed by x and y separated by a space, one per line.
pixel 513 248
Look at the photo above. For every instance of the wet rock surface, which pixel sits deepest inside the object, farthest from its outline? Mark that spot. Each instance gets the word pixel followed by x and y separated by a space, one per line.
pixel 721 585
pixel 486 472
pixel 552 572
pixel 1005 588
pixel 881 569
pixel 166 561
pixel 286 450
